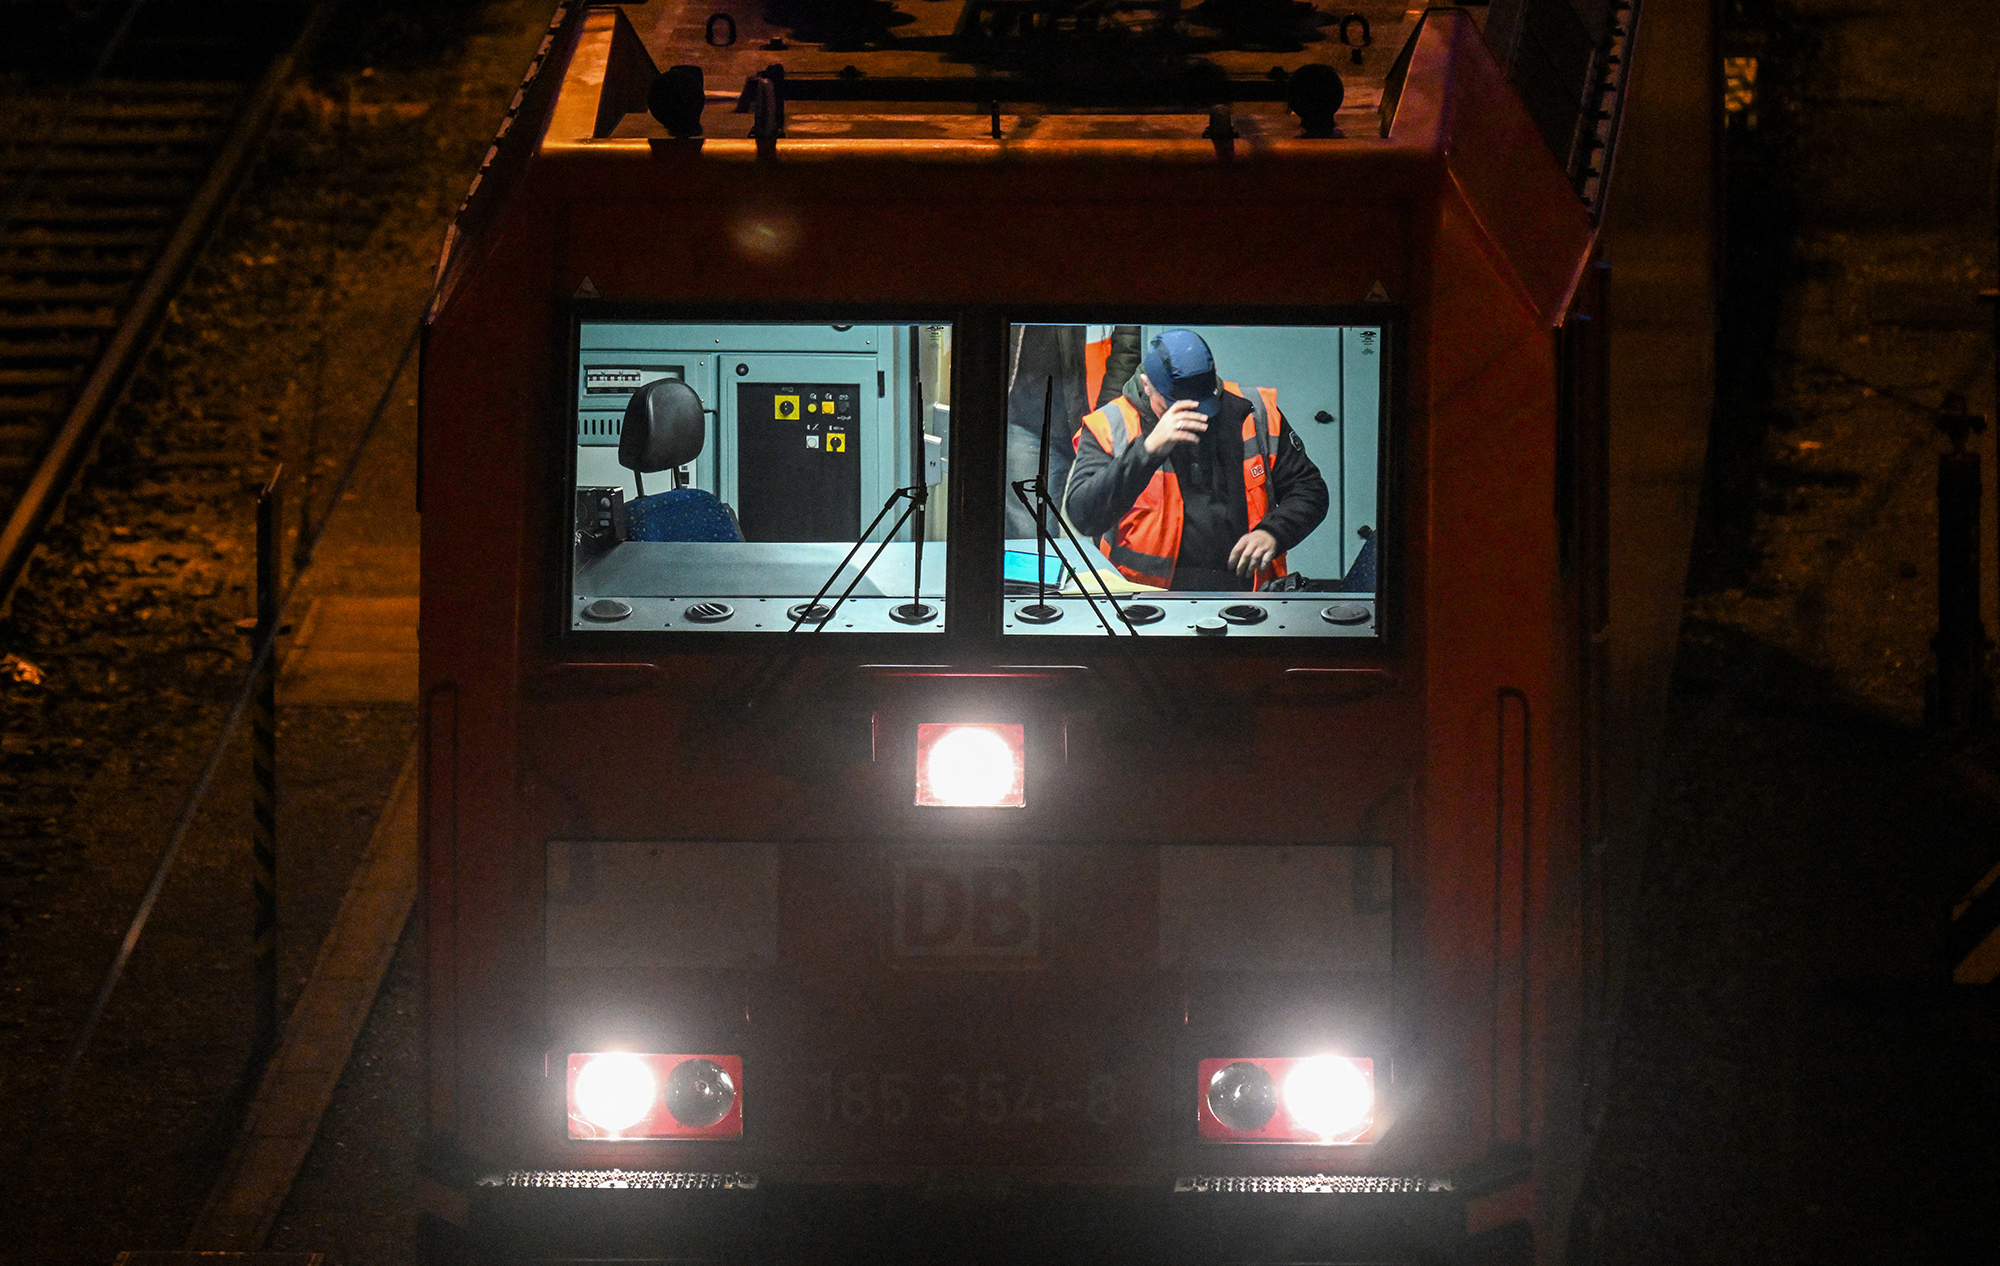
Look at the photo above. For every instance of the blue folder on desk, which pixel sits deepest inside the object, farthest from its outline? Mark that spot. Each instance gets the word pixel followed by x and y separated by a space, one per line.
pixel 1021 566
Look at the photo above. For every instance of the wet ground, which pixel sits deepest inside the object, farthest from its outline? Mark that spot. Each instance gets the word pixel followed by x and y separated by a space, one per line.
pixel 1794 1081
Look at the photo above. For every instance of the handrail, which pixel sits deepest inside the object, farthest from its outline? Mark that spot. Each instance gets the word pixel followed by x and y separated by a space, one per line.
pixel 1507 699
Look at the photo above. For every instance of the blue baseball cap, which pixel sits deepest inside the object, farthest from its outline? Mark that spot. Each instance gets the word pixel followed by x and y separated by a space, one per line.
pixel 1179 366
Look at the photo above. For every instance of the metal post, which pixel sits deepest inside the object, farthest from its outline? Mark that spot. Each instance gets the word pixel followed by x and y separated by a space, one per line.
pixel 264 760
pixel 1961 695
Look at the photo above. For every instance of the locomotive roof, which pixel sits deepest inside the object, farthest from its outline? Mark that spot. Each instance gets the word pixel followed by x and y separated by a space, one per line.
pixel 936 68
pixel 965 81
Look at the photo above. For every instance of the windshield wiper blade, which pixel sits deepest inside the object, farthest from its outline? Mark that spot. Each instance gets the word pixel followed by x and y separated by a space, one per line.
pixel 916 610
pixel 1041 510
pixel 917 493
pixel 811 611
pixel 1152 682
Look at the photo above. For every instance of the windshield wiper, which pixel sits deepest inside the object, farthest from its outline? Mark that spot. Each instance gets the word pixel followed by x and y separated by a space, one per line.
pixel 1152 681
pixel 816 613
pixel 1041 509
pixel 917 493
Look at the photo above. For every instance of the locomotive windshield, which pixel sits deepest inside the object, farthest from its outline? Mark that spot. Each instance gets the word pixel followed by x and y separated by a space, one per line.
pixel 1186 480
pixel 725 472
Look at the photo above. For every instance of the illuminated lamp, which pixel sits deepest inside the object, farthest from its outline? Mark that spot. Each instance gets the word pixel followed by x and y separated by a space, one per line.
pixel 613 1091
pixel 1318 1099
pixel 619 1095
pixel 966 766
pixel 1331 1097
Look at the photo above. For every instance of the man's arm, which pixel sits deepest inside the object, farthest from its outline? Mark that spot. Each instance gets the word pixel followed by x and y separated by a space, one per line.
pixel 1102 488
pixel 1298 491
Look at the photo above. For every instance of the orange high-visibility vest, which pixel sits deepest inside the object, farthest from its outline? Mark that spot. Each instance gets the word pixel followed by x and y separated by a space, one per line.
pixel 1147 540
pixel 1096 356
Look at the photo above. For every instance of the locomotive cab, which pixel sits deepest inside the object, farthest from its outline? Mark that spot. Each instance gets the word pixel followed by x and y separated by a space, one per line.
pixel 893 789
pixel 791 430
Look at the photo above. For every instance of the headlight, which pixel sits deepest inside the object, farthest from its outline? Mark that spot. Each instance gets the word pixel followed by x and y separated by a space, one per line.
pixel 971 765
pixel 622 1095
pixel 614 1091
pixel 1311 1099
pixel 1242 1096
pixel 700 1092
pixel 1330 1096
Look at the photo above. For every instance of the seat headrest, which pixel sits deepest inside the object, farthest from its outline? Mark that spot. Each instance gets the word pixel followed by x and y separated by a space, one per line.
pixel 662 429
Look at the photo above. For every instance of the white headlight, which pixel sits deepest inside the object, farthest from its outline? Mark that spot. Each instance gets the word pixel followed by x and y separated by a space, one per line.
pixel 1329 1095
pixel 970 765
pixel 614 1092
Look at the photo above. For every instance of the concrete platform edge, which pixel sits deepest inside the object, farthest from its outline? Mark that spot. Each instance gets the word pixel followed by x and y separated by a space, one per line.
pixel 319 1036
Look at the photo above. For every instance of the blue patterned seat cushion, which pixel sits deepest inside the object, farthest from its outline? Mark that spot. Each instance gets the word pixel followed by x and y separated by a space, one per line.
pixel 683 514
pixel 1360 578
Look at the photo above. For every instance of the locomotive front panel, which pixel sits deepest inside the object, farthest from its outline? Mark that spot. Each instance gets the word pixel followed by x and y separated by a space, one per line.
pixel 961 664
pixel 900 1008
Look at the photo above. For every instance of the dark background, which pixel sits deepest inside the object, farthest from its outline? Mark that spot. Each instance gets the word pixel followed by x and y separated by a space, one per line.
pixel 1794 1079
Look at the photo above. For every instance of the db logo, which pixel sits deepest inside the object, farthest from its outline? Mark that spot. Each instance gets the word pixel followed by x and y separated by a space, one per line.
pixel 1257 468
pixel 966 907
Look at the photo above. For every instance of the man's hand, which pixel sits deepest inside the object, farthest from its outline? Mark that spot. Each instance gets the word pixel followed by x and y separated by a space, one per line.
pixel 1180 424
pixel 1253 553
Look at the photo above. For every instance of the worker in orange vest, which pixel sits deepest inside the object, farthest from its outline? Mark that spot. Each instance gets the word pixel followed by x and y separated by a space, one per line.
pixel 1190 482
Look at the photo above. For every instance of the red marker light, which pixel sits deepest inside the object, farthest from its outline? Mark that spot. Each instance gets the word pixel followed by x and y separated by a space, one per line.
pixel 1318 1099
pixel 966 766
pixel 618 1095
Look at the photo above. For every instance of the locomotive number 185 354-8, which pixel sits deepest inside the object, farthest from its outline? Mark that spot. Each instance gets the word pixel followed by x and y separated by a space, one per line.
pixel 966 1099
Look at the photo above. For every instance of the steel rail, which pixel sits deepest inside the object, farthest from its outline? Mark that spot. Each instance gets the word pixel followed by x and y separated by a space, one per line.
pixel 69 451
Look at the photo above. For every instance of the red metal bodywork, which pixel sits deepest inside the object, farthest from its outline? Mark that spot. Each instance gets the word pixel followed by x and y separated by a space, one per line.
pixel 1458 747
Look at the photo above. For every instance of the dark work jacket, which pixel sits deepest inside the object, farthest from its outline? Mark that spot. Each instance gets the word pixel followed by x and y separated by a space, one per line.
pixel 1045 371
pixel 1215 514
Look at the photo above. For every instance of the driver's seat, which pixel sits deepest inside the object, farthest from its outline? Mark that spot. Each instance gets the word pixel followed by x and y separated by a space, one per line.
pixel 663 431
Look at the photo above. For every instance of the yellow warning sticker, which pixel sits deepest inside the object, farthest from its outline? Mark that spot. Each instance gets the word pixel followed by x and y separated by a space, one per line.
pixel 785 408
pixel 836 442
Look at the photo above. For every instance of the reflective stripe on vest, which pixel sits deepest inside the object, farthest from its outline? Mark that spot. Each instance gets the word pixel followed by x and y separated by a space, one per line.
pixel 1144 545
pixel 1096 356
pixel 1260 447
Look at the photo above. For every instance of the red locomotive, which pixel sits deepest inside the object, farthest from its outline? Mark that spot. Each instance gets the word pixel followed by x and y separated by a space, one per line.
pixel 1006 657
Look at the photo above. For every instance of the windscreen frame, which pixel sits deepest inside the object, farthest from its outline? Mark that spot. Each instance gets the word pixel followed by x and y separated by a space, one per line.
pixel 562 474
pixel 1393 405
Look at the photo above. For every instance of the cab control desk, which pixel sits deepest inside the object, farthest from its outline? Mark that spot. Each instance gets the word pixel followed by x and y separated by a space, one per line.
pixel 1178 613
pixel 756 587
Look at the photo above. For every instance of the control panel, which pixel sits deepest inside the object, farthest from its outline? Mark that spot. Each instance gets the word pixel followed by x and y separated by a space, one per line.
pixel 804 440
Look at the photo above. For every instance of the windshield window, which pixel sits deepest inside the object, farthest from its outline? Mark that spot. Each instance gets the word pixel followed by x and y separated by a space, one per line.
pixel 1182 480
pixel 758 477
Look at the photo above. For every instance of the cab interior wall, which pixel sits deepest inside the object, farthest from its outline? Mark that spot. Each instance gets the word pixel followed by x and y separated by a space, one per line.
pixel 706 355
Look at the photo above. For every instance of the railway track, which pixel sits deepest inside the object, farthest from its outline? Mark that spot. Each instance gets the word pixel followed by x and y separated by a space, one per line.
pixel 109 187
